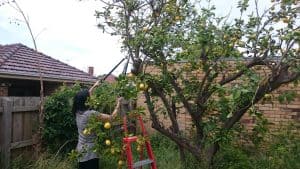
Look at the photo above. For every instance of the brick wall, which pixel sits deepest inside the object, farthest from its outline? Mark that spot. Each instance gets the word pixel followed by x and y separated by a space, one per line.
pixel 277 114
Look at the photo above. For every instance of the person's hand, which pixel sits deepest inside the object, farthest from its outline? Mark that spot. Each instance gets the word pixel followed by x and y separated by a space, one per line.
pixel 94 86
pixel 97 83
pixel 118 107
pixel 119 100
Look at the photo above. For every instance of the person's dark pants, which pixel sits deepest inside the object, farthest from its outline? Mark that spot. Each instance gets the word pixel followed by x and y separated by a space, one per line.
pixel 90 164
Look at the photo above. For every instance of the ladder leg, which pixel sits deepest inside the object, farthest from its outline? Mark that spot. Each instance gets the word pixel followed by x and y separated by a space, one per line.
pixel 142 126
pixel 129 156
pixel 151 154
pixel 148 145
pixel 127 142
pixel 142 154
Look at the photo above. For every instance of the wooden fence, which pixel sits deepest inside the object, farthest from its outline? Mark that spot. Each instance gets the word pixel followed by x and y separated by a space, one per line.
pixel 18 122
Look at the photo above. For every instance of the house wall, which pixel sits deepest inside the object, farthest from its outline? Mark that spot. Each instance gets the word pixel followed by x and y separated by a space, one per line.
pixel 17 87
pixel 278 115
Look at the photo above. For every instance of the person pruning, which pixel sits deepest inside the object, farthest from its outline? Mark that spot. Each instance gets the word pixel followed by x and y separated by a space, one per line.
pixel 89 159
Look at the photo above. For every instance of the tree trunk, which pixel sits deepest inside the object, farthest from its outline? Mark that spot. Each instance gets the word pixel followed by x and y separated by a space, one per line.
pixel 182 154
pixel 212 151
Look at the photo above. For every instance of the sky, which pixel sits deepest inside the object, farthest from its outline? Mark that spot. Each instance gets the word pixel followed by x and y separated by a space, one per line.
pixel 67 31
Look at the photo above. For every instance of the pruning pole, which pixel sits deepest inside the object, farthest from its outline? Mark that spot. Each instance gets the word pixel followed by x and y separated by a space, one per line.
pixel 113 69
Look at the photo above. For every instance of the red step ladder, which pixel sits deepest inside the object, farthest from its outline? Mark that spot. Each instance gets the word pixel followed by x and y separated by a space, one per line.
pixel 128 152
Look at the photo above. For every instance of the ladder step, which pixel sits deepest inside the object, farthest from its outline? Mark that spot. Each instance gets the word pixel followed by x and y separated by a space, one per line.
pixel 130 139
pixel 142 163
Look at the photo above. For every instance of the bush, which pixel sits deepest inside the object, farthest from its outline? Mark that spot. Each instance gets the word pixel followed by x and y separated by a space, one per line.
pixel 60 124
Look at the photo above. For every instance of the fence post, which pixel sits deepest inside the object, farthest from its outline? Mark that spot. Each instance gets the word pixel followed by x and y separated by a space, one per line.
pixel 7 129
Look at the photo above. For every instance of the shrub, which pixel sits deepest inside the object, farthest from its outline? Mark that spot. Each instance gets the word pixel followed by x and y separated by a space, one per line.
pixel 60 124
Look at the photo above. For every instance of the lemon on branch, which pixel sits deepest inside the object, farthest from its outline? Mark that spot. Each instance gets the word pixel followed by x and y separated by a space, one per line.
pixel 112 151
pixel 86 131
pixel 107 125
pixel 267 96
pixel 107 142
pixel 143 86
pixel 131 75
pixel 177 18
pixel 120 162
pixel 139 148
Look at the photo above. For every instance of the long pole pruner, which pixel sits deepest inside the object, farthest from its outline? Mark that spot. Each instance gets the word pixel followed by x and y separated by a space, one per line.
pixel 99 81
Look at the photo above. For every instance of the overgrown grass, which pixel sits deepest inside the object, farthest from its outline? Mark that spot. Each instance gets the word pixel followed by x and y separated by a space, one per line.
pixel 165 151
pixel 278 151
pixel 45 161
pixel 282 152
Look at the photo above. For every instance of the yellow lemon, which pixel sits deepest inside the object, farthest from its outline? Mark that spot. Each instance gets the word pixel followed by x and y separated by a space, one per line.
pixel 107 142
pixel 112 151
pixel 143 87
pixel 86 131
pixel 120 162
pixel 268 96
pixel 130 75
pixel 107 125
pixel 139 148
pixel 177 18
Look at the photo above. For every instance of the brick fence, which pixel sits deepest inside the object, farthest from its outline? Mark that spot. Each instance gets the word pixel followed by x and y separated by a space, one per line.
pixel 277 114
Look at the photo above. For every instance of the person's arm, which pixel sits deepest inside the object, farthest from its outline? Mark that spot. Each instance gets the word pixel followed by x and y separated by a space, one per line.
pixel 107 117
pixel 91 90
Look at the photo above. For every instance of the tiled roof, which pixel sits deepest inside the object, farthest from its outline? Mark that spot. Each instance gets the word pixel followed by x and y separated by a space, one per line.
pixel 22 61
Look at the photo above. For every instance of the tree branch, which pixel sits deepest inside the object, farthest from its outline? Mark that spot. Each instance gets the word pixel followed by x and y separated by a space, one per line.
pixel 176 138
pixel 110 4
pixel 179 91
pixel 254 62
pixel 167 106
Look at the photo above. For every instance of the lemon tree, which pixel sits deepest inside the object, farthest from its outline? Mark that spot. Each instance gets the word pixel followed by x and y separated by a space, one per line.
pixel 109 134
pixel 214 68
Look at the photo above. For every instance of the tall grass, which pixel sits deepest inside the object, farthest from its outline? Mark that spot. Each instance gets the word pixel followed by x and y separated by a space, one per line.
pixel 45 161
pixel 166 152
pixel 278 151
pixel 282 152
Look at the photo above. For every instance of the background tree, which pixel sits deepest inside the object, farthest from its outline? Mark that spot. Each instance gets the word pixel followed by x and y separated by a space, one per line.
pixel 25 18
pixel 166 32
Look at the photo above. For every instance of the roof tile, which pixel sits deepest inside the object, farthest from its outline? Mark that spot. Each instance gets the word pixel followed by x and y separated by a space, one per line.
pixel 18 59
